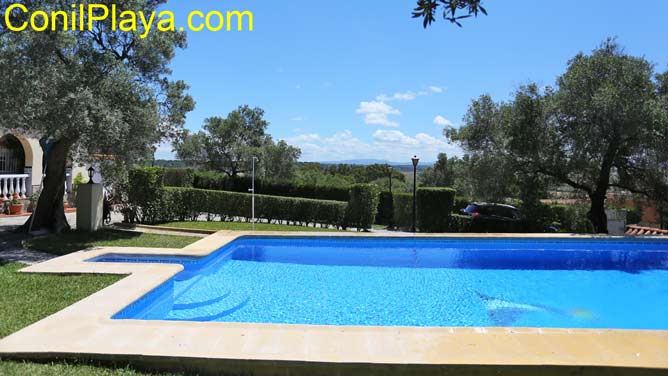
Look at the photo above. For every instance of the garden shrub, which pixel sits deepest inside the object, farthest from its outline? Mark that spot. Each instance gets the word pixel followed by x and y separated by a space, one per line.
pixel 460 223
pixel 570 218
pixel 145 194
pixel 179 177
pixel 362 206
pixel 484 225
pixel 634 215
pixel 385 209
pixel 434 208
pixel 402 207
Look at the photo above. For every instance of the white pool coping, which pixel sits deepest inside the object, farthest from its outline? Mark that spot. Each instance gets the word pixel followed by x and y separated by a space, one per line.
pixel 86 328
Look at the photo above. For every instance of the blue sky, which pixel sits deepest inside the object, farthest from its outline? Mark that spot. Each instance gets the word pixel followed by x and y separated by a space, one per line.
pixel 362 79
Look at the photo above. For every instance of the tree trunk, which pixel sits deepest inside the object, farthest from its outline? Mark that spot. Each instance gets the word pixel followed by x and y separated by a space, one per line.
pixel 597 214
pixel 50 213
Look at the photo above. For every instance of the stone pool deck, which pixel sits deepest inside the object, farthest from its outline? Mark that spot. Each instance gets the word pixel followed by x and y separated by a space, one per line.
pixel 85 330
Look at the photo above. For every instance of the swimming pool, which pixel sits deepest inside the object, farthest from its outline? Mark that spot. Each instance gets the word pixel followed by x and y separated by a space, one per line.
pixel 563 283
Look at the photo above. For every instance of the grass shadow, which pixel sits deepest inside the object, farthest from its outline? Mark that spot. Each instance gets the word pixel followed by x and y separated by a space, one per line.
pixel 73 241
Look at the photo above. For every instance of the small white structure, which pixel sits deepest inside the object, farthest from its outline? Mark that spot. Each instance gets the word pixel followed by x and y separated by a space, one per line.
pixel 616 221
pixel 89 207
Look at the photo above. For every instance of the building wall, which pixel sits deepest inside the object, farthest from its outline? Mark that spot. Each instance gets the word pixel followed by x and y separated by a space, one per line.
pixel 33 163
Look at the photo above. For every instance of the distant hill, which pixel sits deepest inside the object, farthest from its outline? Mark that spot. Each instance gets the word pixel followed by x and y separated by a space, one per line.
pixel 366 162
pixel 406 166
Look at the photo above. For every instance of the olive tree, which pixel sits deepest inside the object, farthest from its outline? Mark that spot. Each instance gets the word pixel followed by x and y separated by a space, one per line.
pixel 229 143
pixel 88 93
pixel 451 10
pixel 602 127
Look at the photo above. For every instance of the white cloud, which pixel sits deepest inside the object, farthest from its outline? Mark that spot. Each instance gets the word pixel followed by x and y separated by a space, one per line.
pixel 409 95
pixel 298 118
pixel 377 113
pixel 390 137
pixel 387 144
pixel 405 96
pixel 440 120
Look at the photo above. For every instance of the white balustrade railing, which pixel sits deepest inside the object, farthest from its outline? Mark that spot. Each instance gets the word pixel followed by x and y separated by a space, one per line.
pixel 11 184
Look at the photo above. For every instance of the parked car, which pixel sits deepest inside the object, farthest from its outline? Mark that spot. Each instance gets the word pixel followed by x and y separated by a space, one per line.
pixel 490 217
pixel 492 211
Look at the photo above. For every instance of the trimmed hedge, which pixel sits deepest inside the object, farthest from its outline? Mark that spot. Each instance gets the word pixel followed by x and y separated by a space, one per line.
pixel 465 223
pixel 385 215
pixel 151 202
pixel 362 206
pixel 179 177
pixel 145 193
pixel 461 202
pixel 190 202
pixel 222 182
pixel 460 223
pixel 570 218
pixel 434 208
pixel 402 206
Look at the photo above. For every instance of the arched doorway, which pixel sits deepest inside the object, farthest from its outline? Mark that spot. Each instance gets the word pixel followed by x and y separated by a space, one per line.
pixel 12 155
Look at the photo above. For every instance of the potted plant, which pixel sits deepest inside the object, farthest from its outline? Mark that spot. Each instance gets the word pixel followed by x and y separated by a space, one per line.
pixel 33 200
pixel 15 206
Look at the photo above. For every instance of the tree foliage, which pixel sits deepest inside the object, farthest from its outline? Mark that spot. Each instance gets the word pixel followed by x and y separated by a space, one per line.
pixel 603 127
pixel 228 144
pixel 98 92
pixel 451 10
pixel 441 174
pixel 279 161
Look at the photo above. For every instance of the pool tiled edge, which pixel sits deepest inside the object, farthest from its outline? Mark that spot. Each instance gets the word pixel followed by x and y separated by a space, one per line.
pixel 86 329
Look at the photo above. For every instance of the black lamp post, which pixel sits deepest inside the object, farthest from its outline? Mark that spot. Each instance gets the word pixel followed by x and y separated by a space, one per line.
pixel 415 161
pixel 389 169
pixel 91 173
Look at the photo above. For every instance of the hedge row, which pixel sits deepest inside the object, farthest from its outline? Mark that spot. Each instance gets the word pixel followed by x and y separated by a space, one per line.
pixel 151 202
pixel 434 208
pixel 569 218
pixel 222 182
pixel 187 203
pixel 145 194
pixel 179 177
pixel 403 210
pixel 465 223
pixel 385 215
pixel 566 218
pixel 362 206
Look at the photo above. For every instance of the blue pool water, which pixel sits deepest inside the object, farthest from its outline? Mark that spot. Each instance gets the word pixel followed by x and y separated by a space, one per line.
pixel 416 282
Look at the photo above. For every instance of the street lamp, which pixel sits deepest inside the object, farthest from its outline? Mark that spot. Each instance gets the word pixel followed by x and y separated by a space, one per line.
pixel 389 169
pixel 91 173
pixel 252 191
pixel 415 161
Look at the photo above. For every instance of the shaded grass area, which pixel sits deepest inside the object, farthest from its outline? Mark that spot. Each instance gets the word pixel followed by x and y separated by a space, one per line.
pixel 73 241
pixel 243 226
pixel 27 298
pixel 64 369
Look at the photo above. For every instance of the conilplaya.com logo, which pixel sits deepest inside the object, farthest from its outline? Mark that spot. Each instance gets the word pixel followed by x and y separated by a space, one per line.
pixel 85 17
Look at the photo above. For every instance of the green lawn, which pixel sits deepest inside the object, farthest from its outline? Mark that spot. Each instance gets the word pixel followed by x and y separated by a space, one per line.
pixel 64 369
pixel 27 298
pixel 73 241
pixel 243 226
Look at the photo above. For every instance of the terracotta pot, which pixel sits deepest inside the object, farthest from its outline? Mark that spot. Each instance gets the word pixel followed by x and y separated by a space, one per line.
pixel 15 209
